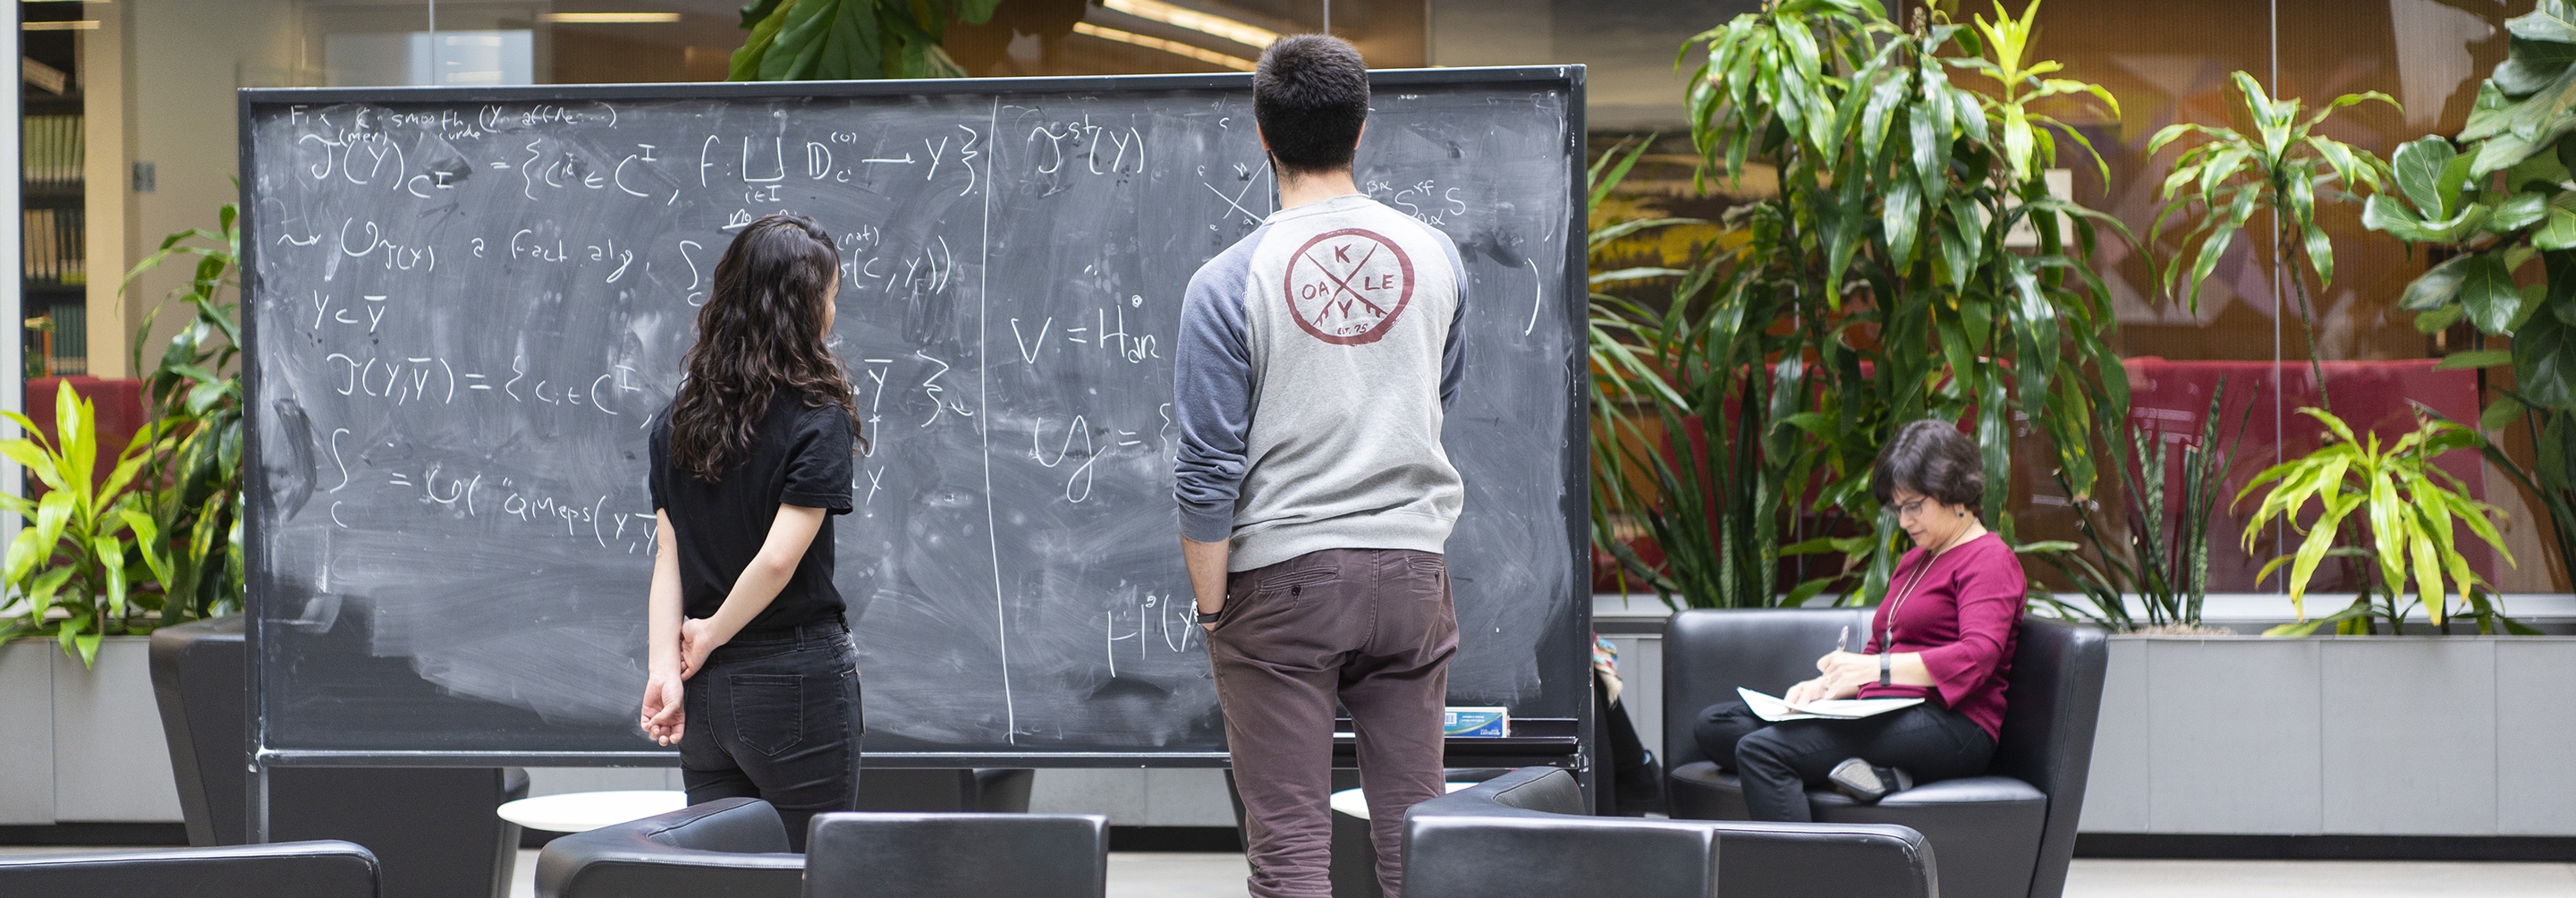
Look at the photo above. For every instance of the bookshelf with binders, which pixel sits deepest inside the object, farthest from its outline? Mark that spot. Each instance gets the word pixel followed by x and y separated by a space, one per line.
pixel 53 232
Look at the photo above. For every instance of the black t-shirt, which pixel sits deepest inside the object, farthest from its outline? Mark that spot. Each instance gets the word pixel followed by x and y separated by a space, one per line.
pixel 800 455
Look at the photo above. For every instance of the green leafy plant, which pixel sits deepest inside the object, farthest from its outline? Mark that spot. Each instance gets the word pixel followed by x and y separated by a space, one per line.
pixel 2405 505
pixel 191 476
pixel 75 555
pixel 822 40
pixel 1875 287
pixel 2283 168
pixel 1628 391
pixel 2500 200
pixel 2162 558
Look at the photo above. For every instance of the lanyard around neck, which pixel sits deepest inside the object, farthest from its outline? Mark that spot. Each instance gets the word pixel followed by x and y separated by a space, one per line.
pixel 1887 636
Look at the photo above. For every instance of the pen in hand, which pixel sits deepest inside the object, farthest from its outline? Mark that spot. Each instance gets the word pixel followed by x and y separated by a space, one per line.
pixel 1843 643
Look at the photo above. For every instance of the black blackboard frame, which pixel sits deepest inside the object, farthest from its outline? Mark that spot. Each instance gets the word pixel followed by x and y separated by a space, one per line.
pixel 1575 505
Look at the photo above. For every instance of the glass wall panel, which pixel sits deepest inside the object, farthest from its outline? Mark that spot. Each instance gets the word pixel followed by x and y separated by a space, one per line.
pixel 111 169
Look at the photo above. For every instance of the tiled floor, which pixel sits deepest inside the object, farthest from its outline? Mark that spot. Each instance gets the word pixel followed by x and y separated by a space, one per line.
pixel 2316 879
pixel 1173 875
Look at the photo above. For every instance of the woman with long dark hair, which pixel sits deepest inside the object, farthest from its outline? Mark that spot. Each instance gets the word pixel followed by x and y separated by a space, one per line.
pixel 749 462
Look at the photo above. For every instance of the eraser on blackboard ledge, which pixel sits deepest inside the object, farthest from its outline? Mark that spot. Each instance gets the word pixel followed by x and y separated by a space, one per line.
pixel 1474 721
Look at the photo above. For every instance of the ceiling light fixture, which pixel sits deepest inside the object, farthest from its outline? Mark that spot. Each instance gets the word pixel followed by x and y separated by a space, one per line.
pixel 80 25
pixel 610 18
pixel 1177 48
pixel 1194 20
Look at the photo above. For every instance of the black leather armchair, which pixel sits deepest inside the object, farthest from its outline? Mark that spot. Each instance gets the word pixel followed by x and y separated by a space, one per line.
pixel 2010 832
pixel 275 870
pixel 734 847
pixel 957 856
pixel 444 841
pixel 1525 833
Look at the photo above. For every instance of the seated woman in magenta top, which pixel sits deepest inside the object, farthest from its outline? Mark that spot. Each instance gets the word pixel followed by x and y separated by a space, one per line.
pixel 1944 634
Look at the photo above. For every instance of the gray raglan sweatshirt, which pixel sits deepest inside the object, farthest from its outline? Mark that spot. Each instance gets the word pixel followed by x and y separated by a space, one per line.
pixel 1316 359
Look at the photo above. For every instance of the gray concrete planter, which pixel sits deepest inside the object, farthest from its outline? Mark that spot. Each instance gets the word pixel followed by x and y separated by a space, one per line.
pixel 2381 735
pixel 82 745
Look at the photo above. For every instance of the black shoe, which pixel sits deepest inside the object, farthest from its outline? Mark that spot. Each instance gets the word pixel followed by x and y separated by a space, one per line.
pixel 1867 784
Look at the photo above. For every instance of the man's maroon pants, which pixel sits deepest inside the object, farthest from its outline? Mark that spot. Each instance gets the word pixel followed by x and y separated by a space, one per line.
pixel 1371 627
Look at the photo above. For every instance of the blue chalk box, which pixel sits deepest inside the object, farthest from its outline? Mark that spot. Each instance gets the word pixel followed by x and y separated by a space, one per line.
pixel 1476 722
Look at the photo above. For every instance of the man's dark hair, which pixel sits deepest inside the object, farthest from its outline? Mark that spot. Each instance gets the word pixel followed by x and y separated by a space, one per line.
pixel 1310 95
pixel 1933 459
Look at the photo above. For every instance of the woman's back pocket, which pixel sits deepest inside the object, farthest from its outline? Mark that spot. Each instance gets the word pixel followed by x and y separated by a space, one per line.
pixel 768 710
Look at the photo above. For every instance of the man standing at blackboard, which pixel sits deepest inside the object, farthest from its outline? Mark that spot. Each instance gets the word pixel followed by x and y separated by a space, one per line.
pixel 1316 359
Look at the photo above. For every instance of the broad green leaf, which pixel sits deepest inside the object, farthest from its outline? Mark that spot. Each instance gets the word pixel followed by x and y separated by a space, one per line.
pixel 2479 358
pixel 2501 413
pixel 2552 23
pixel 2450 230
pixel 2419 167
pixel 2558 231
pixel 2544 360
pixel 2488 292
pixel 2437 287
pixel 2515 213
pixel 1902 220
pixel 111 557
pixel 2530 67
pixel 2017 141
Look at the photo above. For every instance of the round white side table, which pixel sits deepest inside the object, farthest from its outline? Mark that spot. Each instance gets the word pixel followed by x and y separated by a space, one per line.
pixel 1348 802
pixel 575 812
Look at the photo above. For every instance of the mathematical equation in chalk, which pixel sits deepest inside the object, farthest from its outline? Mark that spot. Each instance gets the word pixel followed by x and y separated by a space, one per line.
pixel 1426 200
pixel 1081 440
pixel 1147 622
pixel 551 148
pixel 478 495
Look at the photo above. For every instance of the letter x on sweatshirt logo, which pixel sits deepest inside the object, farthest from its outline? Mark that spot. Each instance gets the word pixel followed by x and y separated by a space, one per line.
pixel 1347 287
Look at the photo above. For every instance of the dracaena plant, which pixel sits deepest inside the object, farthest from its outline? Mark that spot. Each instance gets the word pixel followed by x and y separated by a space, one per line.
pixel 1875 287
pixel 191 484
pixel 2410 512
pixel 2284 168
pixel 824 40
pixel 78 551
pixel 2499 200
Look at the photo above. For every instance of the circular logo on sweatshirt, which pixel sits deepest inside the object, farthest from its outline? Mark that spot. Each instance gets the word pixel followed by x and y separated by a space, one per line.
pixel 1346 287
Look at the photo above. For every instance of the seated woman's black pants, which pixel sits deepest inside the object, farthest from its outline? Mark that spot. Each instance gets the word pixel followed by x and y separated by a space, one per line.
pixel 1776 761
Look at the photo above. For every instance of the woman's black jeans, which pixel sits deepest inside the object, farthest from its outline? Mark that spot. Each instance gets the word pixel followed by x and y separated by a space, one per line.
pixel 1776 761
pixel 774 715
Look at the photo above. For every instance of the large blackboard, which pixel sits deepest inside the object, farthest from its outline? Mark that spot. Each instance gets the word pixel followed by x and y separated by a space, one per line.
pixel 465 306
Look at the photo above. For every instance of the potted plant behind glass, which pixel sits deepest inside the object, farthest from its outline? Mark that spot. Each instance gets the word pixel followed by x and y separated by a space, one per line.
pixel 1876 286
pixel 79 595
pixel 120 545
pixel 2328 712
pixel 2501 201
pixel 2406 507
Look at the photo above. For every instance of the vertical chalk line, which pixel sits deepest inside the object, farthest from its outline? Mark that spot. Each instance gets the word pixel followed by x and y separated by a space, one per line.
pixel 984 425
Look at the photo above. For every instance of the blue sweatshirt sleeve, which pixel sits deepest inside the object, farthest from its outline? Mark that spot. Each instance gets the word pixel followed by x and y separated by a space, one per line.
pixel 1212 397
